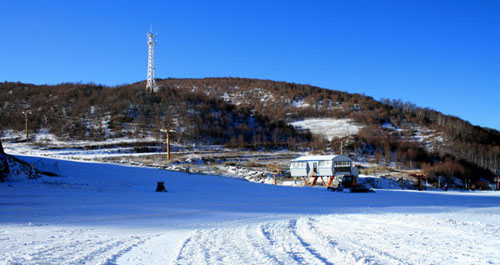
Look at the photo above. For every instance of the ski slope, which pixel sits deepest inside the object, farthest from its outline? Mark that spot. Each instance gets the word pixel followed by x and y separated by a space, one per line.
pixel 328 127
pixel 109 214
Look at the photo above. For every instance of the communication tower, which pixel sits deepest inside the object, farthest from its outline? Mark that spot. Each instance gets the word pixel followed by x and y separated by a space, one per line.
pixel 151 83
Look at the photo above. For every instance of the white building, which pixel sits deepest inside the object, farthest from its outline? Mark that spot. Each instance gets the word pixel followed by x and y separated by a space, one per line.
pixel 323 166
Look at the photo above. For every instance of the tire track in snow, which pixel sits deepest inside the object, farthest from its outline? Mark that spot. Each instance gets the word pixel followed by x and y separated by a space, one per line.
pixel 109 257
pixel 319 242
pixel 71 247
pixel 288 246
pixel 159 248
pixel 245 244
pixel 279 242
pixel 186 252
pixel 98 254
pixel 307 246
pixel 383 238
pixel 338 247
pixel 407 238
pixel 353 237
pixel 260 245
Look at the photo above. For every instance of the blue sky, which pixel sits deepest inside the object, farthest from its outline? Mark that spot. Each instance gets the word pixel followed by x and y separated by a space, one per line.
pixel 444 55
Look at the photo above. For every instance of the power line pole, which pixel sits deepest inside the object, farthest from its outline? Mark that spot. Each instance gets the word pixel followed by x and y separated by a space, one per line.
pixel 168 145
pixel 275 169
pixel 167 131
pixel 26 114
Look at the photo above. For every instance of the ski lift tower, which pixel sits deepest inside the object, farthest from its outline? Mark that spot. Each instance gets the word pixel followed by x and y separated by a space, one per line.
pixel 151 83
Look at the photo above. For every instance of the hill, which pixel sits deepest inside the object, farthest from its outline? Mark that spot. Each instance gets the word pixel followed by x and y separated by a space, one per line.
pixel 258 114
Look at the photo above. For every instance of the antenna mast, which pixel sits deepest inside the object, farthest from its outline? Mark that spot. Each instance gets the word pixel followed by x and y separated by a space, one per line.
pixel 151 83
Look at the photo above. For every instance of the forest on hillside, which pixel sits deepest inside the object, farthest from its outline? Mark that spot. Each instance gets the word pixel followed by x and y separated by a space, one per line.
pixel 253 113
pixel 463 144
pixel 87 111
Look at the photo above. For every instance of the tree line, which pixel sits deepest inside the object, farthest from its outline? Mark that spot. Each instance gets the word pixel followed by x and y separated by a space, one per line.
pixel 253 113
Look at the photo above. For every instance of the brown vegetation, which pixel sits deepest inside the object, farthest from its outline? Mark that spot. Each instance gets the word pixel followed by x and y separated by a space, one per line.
pixel 253 114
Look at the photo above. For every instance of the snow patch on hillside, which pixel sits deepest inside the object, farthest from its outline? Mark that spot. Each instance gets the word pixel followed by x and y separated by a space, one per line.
pixel 300 104
pixel 389 126
pixel 46 144
pixel 238 96
pixel 328 127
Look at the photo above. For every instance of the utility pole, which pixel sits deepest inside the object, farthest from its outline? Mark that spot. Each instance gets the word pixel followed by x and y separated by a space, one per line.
pixel 167 131
pixel 275 169
pixel 26 114
pixel 168 145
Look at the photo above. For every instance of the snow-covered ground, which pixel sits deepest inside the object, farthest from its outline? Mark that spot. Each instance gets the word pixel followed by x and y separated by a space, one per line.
pixel 117 150
pixel 330 128
pixel 109 214
pixel 46 144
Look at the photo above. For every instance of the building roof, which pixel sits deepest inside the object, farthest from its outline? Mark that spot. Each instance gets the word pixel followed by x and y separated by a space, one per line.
pixel 317 157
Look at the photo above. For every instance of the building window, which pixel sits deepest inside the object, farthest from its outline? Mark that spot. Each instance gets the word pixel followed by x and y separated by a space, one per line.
pixel 342 166
pixel 298 164
pixel 325 163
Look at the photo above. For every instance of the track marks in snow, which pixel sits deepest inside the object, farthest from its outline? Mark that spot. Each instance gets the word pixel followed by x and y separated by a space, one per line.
pixel 375 238
pixel 267 243
pixel 385 238
pixel 162 248
pixel 408 239
pixel 41 245
pixel 290 246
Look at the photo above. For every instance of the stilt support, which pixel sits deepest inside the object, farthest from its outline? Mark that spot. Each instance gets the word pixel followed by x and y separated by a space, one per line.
pixel 330 182
pixel 315 179
pixel 305 181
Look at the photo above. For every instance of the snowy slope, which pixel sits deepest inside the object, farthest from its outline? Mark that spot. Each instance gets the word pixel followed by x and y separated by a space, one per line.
pixel 109 214
pixel 329 128
pixel 45 144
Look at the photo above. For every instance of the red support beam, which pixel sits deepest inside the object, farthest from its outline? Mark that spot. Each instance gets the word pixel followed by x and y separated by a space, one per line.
pixel 329 182
pixel 315 179
pixel 322 180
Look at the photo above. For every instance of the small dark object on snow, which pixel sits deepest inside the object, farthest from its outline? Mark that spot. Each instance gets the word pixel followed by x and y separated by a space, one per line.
pixel 361 189
pixel 355 189
pixel 161 187
pixel 339 189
